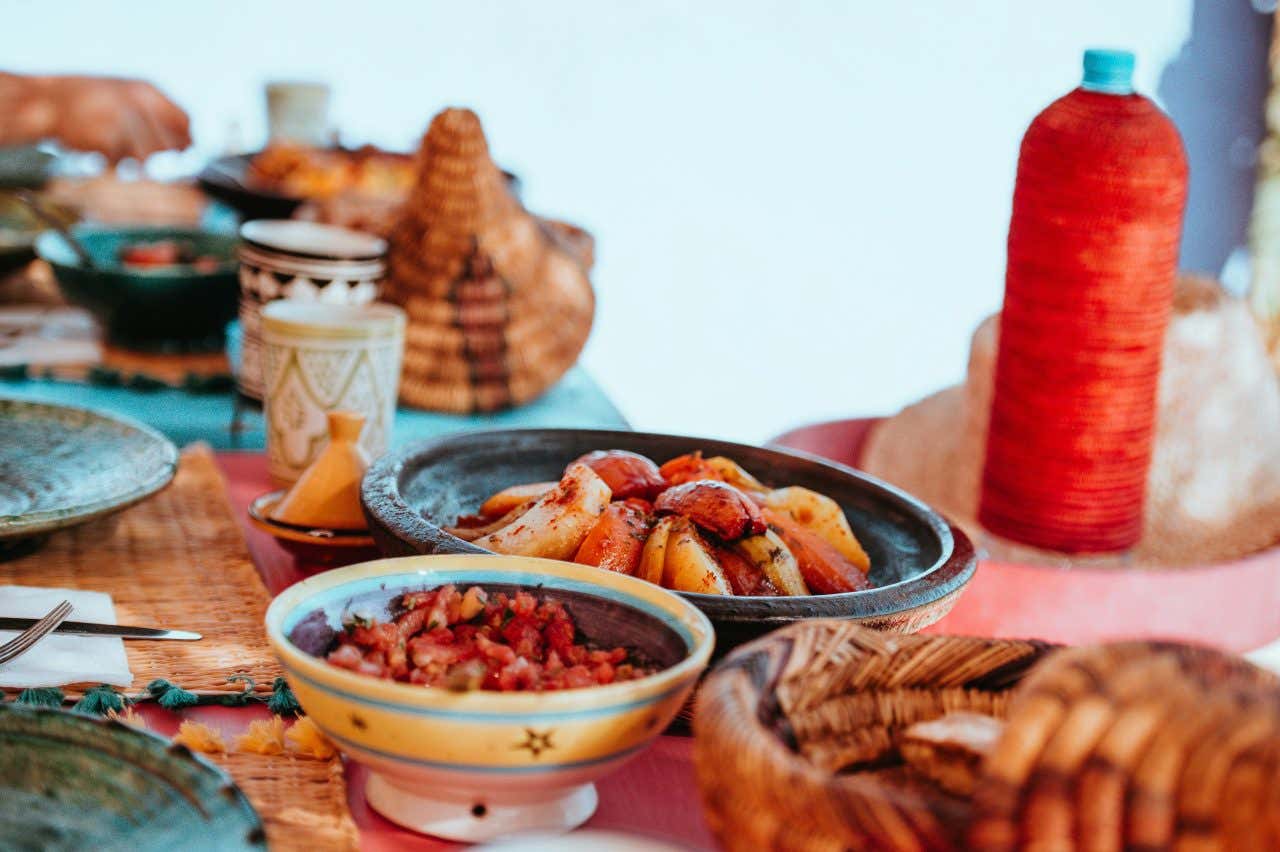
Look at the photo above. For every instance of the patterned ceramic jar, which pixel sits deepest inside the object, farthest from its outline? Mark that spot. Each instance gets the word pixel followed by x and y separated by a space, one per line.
pixel 321 358
pixel 302 262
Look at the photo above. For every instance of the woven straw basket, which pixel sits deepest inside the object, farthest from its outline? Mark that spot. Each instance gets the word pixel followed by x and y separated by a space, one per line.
pixel 1132 746
pixel 499 301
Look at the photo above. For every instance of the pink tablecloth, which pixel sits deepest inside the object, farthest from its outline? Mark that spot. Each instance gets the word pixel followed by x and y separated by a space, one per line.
pixel 654 795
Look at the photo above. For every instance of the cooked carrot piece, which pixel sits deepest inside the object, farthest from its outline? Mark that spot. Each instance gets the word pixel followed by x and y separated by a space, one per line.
pixel 744 577
pixel 617 539
pixel 825 570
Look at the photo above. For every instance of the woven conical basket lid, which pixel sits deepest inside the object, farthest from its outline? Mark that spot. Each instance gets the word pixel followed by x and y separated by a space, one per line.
pixel 499 302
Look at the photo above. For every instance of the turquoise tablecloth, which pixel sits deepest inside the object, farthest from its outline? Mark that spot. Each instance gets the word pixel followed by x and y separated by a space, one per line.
pixel 576 401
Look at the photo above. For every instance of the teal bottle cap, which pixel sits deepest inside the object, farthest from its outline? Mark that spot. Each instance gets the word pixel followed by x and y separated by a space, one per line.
pixel 1109 71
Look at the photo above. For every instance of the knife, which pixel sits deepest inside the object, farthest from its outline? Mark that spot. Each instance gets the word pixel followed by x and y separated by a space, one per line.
pixel 85 628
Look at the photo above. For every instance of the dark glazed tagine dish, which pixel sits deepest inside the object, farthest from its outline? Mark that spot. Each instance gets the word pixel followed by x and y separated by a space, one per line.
pixel 920 563
pixel 72 782
pixel 61 466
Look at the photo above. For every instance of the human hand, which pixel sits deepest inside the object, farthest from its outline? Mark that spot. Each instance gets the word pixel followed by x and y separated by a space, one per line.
pixel 115 117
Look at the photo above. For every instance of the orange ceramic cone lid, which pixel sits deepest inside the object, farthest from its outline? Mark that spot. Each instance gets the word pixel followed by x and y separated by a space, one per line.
pixel 327 495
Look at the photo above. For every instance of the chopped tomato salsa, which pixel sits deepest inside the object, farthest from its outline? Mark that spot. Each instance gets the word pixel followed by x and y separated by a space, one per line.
pixel 473 640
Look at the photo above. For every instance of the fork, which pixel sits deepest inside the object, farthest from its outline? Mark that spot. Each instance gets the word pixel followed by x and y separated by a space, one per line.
pixel 22 643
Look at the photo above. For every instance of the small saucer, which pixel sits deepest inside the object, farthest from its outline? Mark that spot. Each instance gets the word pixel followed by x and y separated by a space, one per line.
pixel 312 544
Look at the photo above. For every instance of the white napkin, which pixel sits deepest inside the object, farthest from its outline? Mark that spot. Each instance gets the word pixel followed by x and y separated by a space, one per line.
pixel 57 659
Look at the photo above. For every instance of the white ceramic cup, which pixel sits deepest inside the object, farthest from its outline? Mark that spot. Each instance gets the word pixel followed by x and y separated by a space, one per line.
pixel 298 112
pixel 320 358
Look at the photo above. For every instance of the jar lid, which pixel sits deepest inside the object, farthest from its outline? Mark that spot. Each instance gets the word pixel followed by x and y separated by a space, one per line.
pixel 1109 71
pixel 312 240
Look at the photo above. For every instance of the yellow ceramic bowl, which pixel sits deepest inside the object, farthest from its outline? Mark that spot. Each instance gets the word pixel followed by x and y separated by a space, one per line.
pixel 478 765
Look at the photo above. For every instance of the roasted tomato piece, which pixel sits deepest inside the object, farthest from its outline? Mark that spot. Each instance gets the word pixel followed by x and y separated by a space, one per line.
pixel 617 539
pixel 159 253
pixel 825 569
pixel 626 474
pixel 715 506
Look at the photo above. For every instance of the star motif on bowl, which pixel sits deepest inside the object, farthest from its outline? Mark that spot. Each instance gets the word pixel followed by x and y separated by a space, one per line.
pixel 536 743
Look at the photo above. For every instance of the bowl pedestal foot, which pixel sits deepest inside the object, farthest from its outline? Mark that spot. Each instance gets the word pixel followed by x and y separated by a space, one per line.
pixel 477 817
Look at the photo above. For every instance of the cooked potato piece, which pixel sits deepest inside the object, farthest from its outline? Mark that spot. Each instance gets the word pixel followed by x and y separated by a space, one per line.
pixel 771 556
pixel 654 556
pixel 824 516
pixel 508 498
pixel 728 470
pixel 558 521
pixel 689 566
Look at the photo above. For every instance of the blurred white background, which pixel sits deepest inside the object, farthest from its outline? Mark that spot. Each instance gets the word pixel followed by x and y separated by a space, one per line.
pixel 800 208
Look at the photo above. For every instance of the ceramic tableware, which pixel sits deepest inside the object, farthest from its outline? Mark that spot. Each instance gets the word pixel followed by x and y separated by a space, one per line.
pixel 63 466
pixel 322 546
pixel 328 492
pixel 478 765
pixel 919 562
pixel 323 358
pixel 69 781
pixel 303 262
pixel 183 307
pixel 298 111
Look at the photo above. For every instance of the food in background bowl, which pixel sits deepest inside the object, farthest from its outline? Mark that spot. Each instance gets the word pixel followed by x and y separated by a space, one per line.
pixel 478 764
pixel 695 524
pixel 165 254
pixel 304 171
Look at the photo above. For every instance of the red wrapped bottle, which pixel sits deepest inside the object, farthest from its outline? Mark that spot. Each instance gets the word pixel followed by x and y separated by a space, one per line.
pixel 1093 250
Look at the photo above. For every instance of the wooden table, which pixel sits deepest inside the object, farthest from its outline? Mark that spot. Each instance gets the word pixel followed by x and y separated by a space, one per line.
pixel 653 796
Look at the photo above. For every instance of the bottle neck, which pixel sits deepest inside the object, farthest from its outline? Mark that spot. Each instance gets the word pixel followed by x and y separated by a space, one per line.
pixel 1107 88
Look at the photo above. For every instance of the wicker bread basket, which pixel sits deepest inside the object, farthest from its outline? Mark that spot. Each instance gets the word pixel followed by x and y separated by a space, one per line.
pixel 1140 745
pixel 499 301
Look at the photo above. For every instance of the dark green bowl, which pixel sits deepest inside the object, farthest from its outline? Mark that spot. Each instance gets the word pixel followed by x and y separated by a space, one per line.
pixel 177 309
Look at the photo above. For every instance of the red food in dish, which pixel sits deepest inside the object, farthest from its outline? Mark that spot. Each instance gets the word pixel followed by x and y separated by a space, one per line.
pixel 744 578
pixel 617 539
pixel 715 506
pixel 825 569
pixel 627 474
pixel 689 467
pixel 162 253
pixel 473 640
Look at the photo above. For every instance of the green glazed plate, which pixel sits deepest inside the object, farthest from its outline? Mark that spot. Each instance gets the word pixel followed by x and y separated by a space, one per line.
pixel 73 782
pixel 61 466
